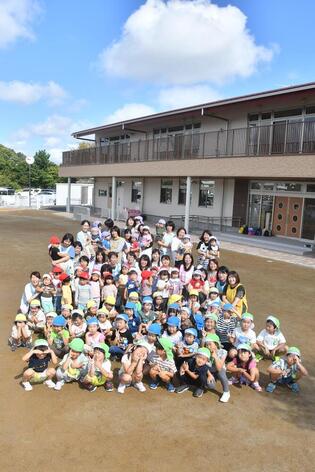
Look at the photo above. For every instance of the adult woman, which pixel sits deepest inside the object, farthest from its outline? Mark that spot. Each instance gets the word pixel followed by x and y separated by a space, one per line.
pixel 185 272
pixel 177 247
pixel 130 224
pixel 30 292
pixel 234 293
pixel 203 248
pixel 66 253
pixel 166 243
pixel 117 243
pixel 84 236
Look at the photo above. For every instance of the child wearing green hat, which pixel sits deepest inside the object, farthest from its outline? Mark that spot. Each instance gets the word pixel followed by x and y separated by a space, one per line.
pixel 287 371
pixel 73 364
pixel 270 341
pixel 195 373
pixel 217 365
pixel 99 370
pixel 162 365
pixel 243 368
pixel 243 334
pixel 38 359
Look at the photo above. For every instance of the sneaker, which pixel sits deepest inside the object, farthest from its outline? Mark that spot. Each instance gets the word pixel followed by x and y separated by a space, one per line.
pixel 234 381
pixel 27 386
pixel 225 397
pixel 59 385
pixel 271 387
pixel 50 383
pixel 182 389
pixel 13 347
pixel 109 387
pixel 121 388
pixel 259 357
pixel 139 386
pixel 170 388
pixel 198 393
pixel 154 385
pixel 90 388
pixel 256 386
pixel 294 387
pixel 29 345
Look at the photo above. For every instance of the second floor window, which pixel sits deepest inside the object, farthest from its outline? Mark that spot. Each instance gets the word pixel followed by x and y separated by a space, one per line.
pixel 206 193
pixel 166 191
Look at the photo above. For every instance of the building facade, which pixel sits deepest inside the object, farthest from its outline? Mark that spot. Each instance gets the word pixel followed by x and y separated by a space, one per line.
pixel 245 160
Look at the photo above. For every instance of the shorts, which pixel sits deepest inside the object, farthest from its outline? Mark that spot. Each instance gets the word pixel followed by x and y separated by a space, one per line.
pixel 285 380
pixel 39 377
pixel 96 381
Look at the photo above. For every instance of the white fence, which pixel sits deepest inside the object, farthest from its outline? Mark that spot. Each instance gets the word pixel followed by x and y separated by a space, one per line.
pixel 22 200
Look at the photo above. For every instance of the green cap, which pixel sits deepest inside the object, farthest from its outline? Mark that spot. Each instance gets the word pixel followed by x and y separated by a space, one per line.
pixel 41 342
pixel 167 345
pixel 294 350
pixel 245 347
pixel 214 338
pixel 247 316
pixel 275 321
pixel 103 347
pixel 211 316
pixel 203 351
pixel 77 345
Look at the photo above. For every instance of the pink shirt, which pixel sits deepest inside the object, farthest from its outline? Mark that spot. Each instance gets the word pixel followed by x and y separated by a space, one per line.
pixel 185 276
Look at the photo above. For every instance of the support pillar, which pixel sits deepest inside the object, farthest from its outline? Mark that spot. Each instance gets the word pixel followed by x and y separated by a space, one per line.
pixel 114 197
pixel 187 206
pixel 69 195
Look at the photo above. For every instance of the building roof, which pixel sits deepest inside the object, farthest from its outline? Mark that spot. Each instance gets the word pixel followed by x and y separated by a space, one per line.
pixel 201 107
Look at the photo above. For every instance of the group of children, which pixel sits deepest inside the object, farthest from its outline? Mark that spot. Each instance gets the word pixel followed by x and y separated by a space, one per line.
pixel 96 305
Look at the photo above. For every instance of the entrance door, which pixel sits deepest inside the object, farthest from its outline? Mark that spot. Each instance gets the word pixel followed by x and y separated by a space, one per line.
pixel 280 216
pixel 308 231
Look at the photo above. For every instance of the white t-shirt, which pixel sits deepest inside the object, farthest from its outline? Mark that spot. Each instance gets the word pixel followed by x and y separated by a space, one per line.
pixel 14 332
pixel 175 338
pixel 41 318
pixel 78 331
pixel 244 338
pixel 29 291
pixel 271 340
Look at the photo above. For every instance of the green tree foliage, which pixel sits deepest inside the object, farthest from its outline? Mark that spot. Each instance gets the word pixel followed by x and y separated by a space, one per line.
pixel 14 170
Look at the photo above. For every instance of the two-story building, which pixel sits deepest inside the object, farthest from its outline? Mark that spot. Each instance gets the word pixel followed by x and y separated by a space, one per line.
pixel 248 159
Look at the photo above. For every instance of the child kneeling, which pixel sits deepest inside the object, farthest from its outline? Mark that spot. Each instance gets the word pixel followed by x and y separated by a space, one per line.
pixel 287 371
pixel 38 371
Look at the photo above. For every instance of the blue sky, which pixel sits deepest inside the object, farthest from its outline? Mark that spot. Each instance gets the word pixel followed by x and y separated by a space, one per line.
pixel 67 65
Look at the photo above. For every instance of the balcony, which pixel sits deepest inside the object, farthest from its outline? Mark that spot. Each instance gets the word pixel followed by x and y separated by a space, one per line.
pixel 282 138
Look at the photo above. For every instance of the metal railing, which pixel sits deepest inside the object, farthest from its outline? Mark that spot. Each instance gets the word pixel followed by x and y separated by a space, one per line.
pixel 276 138
pixel 215 223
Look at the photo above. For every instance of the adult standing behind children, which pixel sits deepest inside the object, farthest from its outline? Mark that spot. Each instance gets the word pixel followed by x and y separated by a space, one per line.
pixel 30 292
pixel 166 243
pixel 84 236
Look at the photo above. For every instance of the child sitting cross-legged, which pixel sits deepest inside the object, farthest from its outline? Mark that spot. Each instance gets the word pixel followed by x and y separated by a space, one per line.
pixel 38 359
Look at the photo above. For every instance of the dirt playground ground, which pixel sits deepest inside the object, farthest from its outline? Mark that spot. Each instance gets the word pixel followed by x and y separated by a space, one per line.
pixel 74 430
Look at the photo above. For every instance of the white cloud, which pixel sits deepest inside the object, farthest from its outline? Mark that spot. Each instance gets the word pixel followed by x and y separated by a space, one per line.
pixel 182 42
pixel 56 152
pixel 27 93
pixel 16 17
pixel 182 96
pixel 129 111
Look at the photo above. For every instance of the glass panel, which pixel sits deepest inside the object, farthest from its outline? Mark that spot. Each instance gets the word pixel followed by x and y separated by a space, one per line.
pixel 166 195
pixel 266 212
pixel 136 191
pixel 253 117
pixel 255 185
pixel 254 210
pixel 310 188
pixel 309 135
pixel 268 185
pixel 265 116
pixel 165 182
pixel 308 227
pixel 206 193
pixel 289 187
pixel 287 113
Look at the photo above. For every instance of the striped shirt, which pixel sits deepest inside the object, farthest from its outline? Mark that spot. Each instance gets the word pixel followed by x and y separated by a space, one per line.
pixel 225 327
pixel 166 365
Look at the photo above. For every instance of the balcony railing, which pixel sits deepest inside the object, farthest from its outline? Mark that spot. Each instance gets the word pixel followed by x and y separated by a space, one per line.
pixel 277 138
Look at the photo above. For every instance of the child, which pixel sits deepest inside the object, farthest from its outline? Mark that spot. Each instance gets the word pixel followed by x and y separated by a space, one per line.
pixel 121 286
pixel 146 241
pixel 217 366
pixel 173 333
pixel 121 337
pixel 56 272
pixel 243 334
pixel 99 370
pixel 21 335
pixel 214 250
pixel 154 332
pixel 133 319
pixel 36 318
pixel 162 365
pixel 162 284
pixel 77 324
pixel 91 309
pixel 187 244
pixel 47 292
pixel 270 341
pixel 214 298
pixel 158 303
pixel 66 289
pixel 174 284
pixel 109 288
pixel 185 321
pixel 59 337
pixel 225 325
pixel 83 291
pixel 109 304
pixel 48 328
pixel 72 365
pixel 209 326
pixel 132 364
pixel 195 373
pixel 287 371
pixel 103 322
pixel 160 230
pixel 132 284
pixel 243 368
pixel 147 315
pixel 93 335
pixel 187 347
pixel 146 283
pixel 95 284
pixel 38 359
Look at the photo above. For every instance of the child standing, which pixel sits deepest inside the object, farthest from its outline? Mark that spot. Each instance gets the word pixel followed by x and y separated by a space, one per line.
pixel 47 292
pixel 83 291
pixel 95 284
pixel 217 366
pixel 38 359
pixel 66 289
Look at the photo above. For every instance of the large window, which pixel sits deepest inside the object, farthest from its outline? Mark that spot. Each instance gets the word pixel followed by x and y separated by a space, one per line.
pixel 166 191
pixel 136 190
pixel 206 193
pixel 182 192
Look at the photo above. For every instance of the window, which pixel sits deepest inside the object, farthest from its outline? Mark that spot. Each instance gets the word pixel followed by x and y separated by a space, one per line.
pixel 268 186
pixel 255 186
pixel 136 191
pixel 102 193
pixel 182 192
pixel 206 193
pixel 285 113
pixel 166 191
pixel 289 187
pixel 310 188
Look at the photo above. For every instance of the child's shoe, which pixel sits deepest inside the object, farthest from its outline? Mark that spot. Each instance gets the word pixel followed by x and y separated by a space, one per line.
pixel 29 345
pixel 27 386
pixel 90 388
pixel 256 386
pixel 59 385
pixel 154 385
pixel 294 387
pixel 139 386
pixel 271 387
pixel 234 381
pixel 121 388
pixel 198 393
pixel 182 389
pixel 109 387
pixel 225 397
pixel 50 383
pixel 170 388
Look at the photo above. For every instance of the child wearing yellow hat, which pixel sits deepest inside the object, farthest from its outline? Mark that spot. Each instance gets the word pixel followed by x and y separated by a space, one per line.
pixel 21 335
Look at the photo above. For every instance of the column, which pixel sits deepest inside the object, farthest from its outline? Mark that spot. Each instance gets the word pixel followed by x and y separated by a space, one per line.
pixel 187 206
pixel 69 196
pixel 114 197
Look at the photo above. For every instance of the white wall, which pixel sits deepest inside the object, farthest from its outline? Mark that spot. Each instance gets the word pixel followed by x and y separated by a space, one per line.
pixel 76 189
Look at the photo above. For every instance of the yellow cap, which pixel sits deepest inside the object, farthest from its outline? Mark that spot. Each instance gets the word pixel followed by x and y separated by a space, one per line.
pixel 91 303
pixel 35 302
pixel 67 306
pixel 110 299
pixel 20 317
pixel 194 292
pixel 174 299
pixel 133 295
